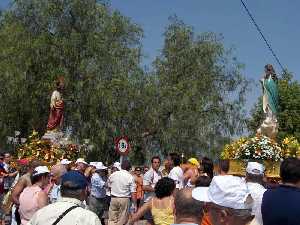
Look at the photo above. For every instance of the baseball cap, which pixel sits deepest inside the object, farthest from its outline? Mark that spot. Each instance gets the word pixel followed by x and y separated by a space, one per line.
pixel 194 161
pixel 77 180
pixel 81 160
pixel 40 170
pixel 65 162
pixel 117 165
pixel 227 191
pixel 255 168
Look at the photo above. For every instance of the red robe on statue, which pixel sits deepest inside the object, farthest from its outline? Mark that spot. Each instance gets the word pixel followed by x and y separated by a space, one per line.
pixel 56 115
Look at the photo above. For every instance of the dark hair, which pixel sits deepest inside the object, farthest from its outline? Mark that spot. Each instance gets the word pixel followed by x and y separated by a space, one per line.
pixel 224 165
pixel 203 181
pixel 164 187
pixel 126 165
pixel 186 206
pixel 155 157
pixel 37 178
pixel 208 167
pixel 175 158
pixel 254 178
pixel 70 190
pixel 290 170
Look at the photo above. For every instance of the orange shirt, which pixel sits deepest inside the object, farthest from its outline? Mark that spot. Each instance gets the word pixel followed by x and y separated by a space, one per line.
pixel 139 187
pixel 206 220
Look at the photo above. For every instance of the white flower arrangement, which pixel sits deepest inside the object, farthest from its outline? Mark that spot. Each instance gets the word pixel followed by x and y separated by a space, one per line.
pixel 259 148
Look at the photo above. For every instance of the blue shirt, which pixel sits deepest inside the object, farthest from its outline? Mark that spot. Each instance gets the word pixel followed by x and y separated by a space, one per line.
pixel 55 194
pixel 280 206
pixel 98 189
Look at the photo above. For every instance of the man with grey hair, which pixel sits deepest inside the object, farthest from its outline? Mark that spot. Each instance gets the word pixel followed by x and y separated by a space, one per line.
pixel 227 200
pixel 67 210
pixel 57 171
pixel 187 210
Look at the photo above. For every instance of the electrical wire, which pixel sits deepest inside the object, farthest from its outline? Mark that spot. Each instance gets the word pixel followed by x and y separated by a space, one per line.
pixel 262 35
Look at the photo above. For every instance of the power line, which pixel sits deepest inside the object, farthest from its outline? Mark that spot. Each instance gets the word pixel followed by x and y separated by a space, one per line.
pixel 262 35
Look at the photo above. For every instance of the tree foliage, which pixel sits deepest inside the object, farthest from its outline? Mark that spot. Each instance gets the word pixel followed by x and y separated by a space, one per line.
pixel 201 91
pixel 192 99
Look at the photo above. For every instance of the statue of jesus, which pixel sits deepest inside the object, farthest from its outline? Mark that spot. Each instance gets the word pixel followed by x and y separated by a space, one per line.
pixel 56 116
pixel 269 127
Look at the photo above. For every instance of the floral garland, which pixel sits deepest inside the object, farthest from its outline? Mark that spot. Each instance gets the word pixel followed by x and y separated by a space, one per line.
pixel 44 150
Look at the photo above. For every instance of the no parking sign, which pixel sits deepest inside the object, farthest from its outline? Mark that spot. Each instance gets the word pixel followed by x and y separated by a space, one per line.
pixel 122 145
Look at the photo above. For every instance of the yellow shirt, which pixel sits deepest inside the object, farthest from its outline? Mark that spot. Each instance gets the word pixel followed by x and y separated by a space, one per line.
pixel 162 216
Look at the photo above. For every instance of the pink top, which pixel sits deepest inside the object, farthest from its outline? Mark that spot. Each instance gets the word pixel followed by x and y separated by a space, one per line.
pixel 28 203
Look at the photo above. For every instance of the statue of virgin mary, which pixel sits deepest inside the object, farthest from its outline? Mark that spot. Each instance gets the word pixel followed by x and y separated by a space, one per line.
pixel 269 127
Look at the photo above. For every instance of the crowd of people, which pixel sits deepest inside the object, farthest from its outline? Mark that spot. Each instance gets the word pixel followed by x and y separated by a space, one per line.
pixel 181 191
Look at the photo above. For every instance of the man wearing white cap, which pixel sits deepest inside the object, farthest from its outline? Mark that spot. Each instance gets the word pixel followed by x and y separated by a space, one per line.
pixel 254 179
pixel 81 165
pixel 116 167
pixel 228 200
pixel 98 190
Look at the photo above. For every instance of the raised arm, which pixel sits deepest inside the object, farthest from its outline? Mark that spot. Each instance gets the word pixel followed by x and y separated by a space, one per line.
pixel 136 216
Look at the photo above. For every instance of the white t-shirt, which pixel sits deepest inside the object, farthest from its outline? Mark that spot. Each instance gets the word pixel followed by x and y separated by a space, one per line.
pixel 177 175
pixel 151 177
pixel 121 184
pixel 257 191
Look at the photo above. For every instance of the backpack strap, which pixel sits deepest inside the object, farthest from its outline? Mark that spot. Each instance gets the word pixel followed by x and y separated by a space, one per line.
pixel 64 213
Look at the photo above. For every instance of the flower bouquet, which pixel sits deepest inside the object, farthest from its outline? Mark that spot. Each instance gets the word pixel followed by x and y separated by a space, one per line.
pixel 259 148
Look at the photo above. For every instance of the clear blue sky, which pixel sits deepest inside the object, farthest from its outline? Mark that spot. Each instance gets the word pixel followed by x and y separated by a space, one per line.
pixel 279 20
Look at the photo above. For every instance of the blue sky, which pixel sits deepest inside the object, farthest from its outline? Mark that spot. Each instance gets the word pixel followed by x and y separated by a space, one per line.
pixel 279 20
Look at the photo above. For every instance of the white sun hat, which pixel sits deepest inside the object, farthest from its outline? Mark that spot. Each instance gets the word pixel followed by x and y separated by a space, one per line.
pixel 227 191
pixel 100 166
pixel 255 168
pixel 81 160
pixel 40 170
pixel 93 164
pixel 65 162
pixel 117 165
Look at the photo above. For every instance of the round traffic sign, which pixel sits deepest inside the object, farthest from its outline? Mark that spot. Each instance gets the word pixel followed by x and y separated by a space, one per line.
pixel 122 145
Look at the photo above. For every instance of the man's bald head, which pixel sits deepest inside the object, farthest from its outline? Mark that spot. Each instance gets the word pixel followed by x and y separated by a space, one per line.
pixel 187 209
pixel 57 171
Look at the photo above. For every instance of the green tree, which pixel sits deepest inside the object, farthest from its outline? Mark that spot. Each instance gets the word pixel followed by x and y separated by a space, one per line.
pixel 289 109
pixel 201 91
pixel 95 48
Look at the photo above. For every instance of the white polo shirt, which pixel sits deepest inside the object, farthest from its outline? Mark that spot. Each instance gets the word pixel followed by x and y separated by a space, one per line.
pixel 151 177
pixel 121 184
pixel 176 174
